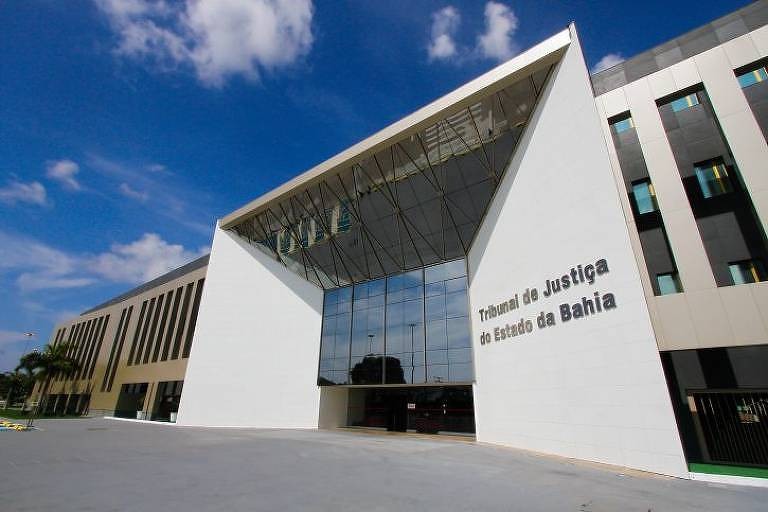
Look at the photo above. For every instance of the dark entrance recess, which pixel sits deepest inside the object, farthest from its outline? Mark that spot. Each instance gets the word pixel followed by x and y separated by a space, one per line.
pixel 167 400
pixel 720 396
pixel 429 409
pixel 131 400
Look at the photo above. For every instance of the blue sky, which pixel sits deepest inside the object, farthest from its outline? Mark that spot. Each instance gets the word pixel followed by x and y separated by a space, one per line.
pixel 128 126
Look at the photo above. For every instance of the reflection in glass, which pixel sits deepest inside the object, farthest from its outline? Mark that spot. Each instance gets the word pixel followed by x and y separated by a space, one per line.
pixel 375 332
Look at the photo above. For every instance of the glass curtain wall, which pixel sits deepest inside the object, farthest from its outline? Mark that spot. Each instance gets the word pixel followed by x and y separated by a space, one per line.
pixel 408 328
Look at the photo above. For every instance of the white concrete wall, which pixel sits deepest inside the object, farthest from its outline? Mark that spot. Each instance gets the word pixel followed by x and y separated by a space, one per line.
pixel 591 388
pixel 333 407
pixel 256 347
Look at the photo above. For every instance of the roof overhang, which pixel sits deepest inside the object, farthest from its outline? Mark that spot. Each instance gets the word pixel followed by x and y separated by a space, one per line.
pixel 542 55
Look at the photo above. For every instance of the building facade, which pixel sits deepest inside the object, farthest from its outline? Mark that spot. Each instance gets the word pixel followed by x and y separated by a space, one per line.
pixel 132 351
pixel 685 123
pixel 542 259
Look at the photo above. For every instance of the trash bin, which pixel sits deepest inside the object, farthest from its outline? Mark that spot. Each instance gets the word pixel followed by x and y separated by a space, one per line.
pixel 141 415
pixel 173 417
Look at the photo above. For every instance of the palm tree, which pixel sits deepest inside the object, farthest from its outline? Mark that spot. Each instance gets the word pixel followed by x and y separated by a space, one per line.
pixel 44 366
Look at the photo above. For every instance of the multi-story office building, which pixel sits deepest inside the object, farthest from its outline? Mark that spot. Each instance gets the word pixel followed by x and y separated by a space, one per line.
pixel 686 125
pixel 547 260
pixel 132 351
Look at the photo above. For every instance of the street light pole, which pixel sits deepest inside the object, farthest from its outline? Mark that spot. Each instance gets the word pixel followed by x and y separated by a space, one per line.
pixel 412 325
pixel 29 335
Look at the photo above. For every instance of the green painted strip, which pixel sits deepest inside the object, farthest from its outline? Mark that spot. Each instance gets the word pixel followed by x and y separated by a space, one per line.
pixel 718 469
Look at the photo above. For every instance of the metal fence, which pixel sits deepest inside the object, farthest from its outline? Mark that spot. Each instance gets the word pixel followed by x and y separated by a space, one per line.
pixel 733 425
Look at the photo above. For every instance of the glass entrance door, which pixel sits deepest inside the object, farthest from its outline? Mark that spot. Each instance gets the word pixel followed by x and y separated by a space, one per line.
pixel 428 409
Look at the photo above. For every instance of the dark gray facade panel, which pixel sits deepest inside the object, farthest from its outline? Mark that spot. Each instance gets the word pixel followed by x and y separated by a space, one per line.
pixel 727 222
pixel 696 41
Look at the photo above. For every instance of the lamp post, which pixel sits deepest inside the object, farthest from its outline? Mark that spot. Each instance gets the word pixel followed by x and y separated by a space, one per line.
pixel 29 335
pixel 412 325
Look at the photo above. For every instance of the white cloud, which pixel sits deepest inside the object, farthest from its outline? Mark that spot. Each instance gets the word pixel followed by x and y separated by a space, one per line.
pixel 608 61
pixel 142 260
pixel 500 27
pixel 21 252
pixel 29 282
pixel 128 191
pixel 18 192
pixel 166 196
pixel 218 38
pixel 64 172
pixel 11 337
pixel 445 23
pixel 36 266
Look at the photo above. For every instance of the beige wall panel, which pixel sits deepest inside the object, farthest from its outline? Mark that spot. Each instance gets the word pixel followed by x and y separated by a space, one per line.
pixel 685 74
pixel 760 294
pixel 741 51
pixel 662 83
pixel 743 315
pixel 709 319
pixel 721 84
pixel 760 39
pixel 614 102
pixel 152 373
pixel 676 323
pixel 749 148
pixel 690 255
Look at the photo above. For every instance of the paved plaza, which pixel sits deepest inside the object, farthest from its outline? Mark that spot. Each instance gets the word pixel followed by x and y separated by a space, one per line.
pixel 108 465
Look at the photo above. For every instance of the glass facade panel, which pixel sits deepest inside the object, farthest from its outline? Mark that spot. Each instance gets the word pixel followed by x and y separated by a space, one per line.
pixel 412 203
pixel 743 272
pixel 669 283
pixel 623 125
pixel 398 329
pixel 645 197
pixel 685 102
pixel 713 178
pixel 752 77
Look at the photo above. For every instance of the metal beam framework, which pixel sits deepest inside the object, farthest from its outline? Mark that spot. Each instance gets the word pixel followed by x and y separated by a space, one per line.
pixel 414 203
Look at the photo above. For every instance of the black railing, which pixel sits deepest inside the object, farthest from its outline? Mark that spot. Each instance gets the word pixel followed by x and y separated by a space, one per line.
pixel 733 425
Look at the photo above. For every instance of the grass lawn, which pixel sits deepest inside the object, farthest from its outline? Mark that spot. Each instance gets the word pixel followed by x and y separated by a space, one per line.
pixel 15 414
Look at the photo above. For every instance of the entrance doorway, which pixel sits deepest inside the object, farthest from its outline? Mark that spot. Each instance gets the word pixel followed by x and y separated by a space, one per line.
pixel 428 409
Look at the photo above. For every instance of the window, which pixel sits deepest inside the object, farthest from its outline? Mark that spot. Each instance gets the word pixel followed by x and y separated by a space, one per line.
pixel 344 220
pixel 685 102
pixel 747 271
pixel 669 283
pixel 752 77
pixel 319 233
pixel 645 197
pixel 385 336
pixel 285 242
pixel 304 230
pixel 713 178
pixel 623 125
